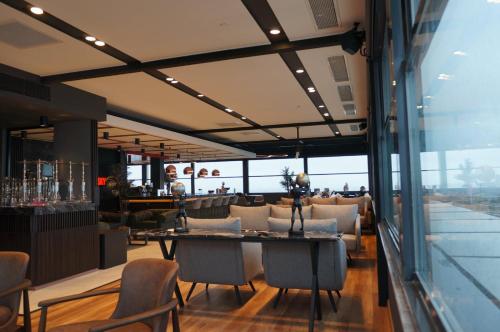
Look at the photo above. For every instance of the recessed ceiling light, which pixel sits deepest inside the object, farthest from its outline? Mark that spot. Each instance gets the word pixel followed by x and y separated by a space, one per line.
pixel 90 38
pixel 275 31
pixel 311 89
pixel 326 114
pixel 229 110
pixel 278 136
pixel 321 106
pixel 174 82
pixel 337 133
pixel 36 10
pixel 200 95
pixel 243 118
pixel 299 71
pixel 170 79
pixel 99 43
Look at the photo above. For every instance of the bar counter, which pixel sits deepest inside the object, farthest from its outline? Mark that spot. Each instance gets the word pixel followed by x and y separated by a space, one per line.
pixel 62 240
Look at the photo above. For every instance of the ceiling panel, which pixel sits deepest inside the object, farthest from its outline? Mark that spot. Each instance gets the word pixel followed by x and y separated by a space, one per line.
pixel 30 45
pixel 244 136
pixel 304 132
pixel 296 16
pixel 142 95
pixel 316 63
pixel 156 29
pixel 261 88
pixel 346 130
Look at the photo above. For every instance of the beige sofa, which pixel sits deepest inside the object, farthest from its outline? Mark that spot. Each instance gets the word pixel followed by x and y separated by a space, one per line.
pixel 348 219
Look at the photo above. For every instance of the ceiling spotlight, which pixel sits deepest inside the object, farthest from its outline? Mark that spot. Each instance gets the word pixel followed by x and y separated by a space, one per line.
pixel 105 135
pixel 299 71
pixel 162 146
pixel 143 151
pixel 170 79
pixel 200 95
pixel 24 134
pixel 326 114
pixel 90 38
pixel 278 136
pixel 229 110
pixel 119 148
pixel 44 121
pixel 363 125
pixel 321 106
pixel 178 156
pixel 162 154
pixel 337 133
pixel 99 43
pixel 137 141
pixel 36 10
pixel 275 31
pixel 174 82
pixel 243 118
pixel 311 89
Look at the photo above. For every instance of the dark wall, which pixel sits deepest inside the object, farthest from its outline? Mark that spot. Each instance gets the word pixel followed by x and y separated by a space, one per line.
pixel 108 159
pixel 27 149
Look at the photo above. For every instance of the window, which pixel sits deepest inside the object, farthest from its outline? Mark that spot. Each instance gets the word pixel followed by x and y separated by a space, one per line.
pixel 265 175
pixel 134 174
pixel 231 174
pixel 181 177
pixel 454 108
pixel 334 172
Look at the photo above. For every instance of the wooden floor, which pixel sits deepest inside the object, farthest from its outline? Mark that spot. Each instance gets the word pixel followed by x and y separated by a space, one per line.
pixel 217 310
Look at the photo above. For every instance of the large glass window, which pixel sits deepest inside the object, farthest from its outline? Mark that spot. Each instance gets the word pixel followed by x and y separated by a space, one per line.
pixel 181 177
pixel 265 175
pixel 455 111
pixel 333 173
pixel 231 177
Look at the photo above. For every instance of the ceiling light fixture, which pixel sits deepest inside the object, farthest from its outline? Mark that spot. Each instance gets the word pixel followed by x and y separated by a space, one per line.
pixel 105 135
pixel 243 118
pixel 326 114
pixel 174 82
pixel 275 31
pixel 299 71
pixel 162 146
pixel 137 141
pixel 44 121
pixel 311 89
pixel 99 43
pixel 90 38
pixel 200 96
pixel 321 106
pixel 36 10
pixel 24 134
pixel 119 148
pixel 278 136
pixel 170 79
pixel 229 110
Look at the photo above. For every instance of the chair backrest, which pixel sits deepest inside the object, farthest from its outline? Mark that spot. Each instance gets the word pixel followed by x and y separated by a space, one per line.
pixel 361 202
pixel 196 204
pixel 288 265
pixel 13 266
pixel 323 201
pixel 215 262
pixel 345 215
pixel 285 212
pixel 207 202
pixel 218 201
pixel 252 217
pixel 234 199
pixel 146 284
pixel 226 200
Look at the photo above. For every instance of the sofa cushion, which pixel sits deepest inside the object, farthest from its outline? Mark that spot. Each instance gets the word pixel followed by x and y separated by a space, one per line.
pixel 323 201
pixel 286 201
pixel 230 224
pixel 360 201
pixel 345 215
pixel 310 225
pixel 5 314
pixel 141 216
pixel 252 217
pixel 286 212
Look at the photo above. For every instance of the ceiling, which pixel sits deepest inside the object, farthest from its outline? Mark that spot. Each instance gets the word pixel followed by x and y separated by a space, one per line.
pixel 261 90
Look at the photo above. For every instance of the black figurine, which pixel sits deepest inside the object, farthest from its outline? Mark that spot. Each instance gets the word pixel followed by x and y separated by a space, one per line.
pixel 179 191
pixel 298 188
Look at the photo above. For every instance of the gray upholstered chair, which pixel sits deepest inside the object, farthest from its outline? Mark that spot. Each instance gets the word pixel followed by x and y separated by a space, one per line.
pixel 348 222
pixel 363 203
pixel 218 201
pixel 195 207
pixel 226 200
pixel 288 265
pixel 144 303
pixel 207 202
pixel 222 262
pixel 234 199
pixel 13 266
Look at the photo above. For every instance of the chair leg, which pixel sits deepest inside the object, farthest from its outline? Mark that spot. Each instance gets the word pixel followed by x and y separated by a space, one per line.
pixel 206 287
pixel 43 320
pixel 277 298
pixel 238 296
pixel 26 313
pixel 175 320
pixel 332 300
pixel 286 291
pixel 338 293
pixel 251 286
pixel 191 291
pixel 349 258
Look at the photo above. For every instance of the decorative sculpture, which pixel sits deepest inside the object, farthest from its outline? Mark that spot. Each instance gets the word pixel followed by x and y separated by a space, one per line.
pixel 298 188
pixel 179 192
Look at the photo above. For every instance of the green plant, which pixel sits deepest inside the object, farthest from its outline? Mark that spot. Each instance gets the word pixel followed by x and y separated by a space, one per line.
pixel 287 178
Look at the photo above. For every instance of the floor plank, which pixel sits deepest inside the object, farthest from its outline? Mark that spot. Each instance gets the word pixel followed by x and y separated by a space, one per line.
pixel 217 309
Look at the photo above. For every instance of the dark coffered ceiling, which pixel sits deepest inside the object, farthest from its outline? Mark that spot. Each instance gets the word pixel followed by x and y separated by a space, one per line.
pixel 208 68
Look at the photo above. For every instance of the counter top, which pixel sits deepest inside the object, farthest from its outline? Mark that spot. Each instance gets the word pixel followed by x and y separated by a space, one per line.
pixel 48 209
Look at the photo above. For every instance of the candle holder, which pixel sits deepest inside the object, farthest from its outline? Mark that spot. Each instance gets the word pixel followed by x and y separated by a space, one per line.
pixel 84 193
pixel 56 197
pixel 70 182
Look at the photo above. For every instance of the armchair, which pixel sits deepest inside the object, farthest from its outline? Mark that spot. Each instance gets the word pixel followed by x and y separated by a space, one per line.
pixel 13 266
pixel 145 299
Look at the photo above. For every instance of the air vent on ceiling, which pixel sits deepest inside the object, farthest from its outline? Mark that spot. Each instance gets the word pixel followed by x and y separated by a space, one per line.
pixel 354 127
pixel 324 13
pixel 345 92
pixel 339 69
pixel 349 109
pixel 24 87
pixel 20 35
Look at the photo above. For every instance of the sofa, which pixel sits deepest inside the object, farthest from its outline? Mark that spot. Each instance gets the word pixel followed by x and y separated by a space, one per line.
pixel 348 219
pixel 152 218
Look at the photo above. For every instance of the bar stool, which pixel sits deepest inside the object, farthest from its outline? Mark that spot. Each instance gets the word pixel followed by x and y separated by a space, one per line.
pixel 194 209
pixel 216 207
pixel 234 200
pixel 206 206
